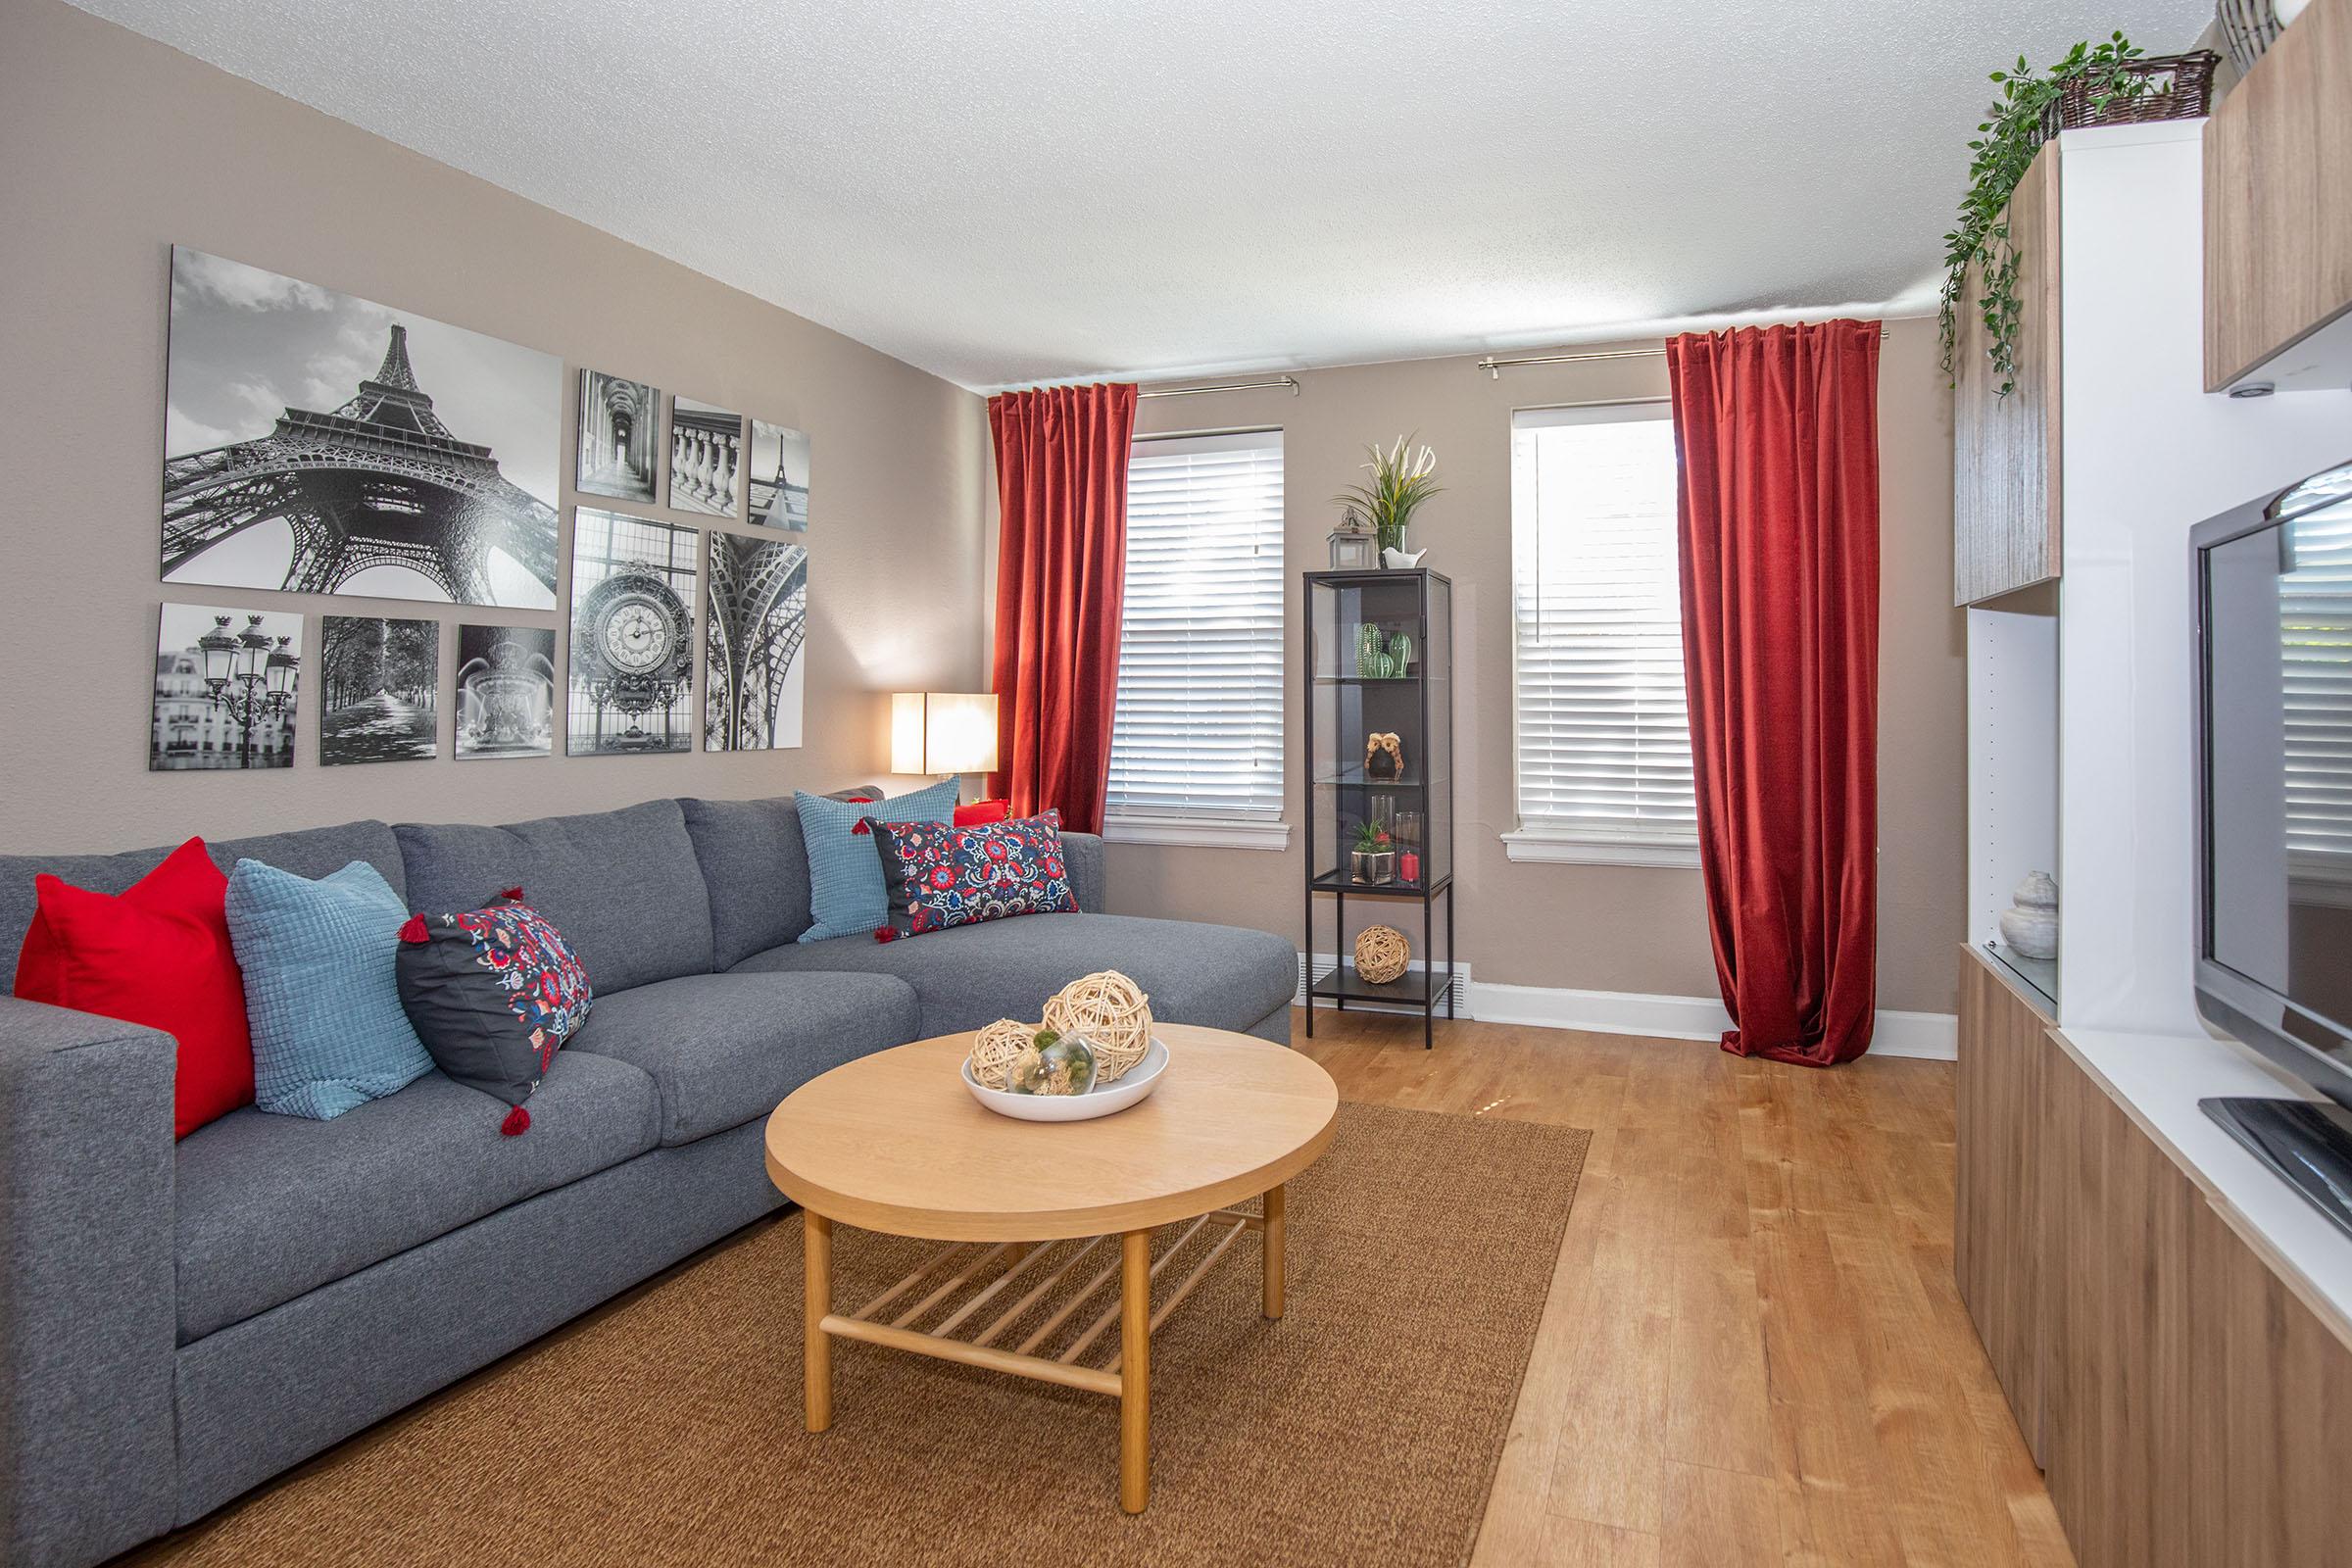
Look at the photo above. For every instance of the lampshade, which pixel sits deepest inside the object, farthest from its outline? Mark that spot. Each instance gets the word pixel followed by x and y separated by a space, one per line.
pixel 943 732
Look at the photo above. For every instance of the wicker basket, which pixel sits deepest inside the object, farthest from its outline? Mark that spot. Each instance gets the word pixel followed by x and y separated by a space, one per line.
pixel 2182 86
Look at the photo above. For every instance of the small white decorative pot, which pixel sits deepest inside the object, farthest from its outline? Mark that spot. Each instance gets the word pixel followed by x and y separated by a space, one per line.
pixel 2031 925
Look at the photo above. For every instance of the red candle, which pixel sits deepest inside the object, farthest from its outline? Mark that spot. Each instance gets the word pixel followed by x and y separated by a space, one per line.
pixel 1408 866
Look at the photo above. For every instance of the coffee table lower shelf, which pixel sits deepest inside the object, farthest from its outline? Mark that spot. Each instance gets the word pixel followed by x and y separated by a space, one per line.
pixel 965 1301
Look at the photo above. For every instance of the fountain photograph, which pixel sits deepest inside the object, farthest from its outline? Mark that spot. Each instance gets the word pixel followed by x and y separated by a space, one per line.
pixel 506 691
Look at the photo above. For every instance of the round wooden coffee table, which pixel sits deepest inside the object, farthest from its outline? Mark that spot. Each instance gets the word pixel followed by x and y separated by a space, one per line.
pixel 894 1143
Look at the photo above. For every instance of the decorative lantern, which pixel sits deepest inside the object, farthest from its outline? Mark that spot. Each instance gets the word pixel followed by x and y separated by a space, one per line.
pixel 1352 544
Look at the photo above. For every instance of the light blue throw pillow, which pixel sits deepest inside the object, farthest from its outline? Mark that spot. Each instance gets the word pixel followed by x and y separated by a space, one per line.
pixel 322 988
pixel 845 897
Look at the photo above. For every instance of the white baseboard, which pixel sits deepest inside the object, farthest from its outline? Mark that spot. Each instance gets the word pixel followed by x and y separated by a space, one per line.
pixel 1933 1036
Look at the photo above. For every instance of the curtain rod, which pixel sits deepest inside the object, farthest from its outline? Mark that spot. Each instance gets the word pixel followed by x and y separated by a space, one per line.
pixel 1289 381
pixel 1495 366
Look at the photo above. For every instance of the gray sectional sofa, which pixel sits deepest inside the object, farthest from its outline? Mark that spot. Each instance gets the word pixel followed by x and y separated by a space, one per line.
pixel 181 1322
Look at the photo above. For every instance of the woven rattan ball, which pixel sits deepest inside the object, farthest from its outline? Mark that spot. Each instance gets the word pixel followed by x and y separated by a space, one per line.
pixel 1113 1014
pixel 995 1047
pixel 1380 953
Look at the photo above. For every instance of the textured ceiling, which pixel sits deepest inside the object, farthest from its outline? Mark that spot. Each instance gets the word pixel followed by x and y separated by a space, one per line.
pixel 1007 191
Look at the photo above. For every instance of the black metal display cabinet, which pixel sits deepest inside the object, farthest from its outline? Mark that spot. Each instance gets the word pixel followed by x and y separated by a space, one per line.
pixel 1380 810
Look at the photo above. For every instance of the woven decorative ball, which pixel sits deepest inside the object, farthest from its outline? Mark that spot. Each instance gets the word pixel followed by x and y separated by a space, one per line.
pixel 1113 1014
pixel 996 1047
pixel 1380 951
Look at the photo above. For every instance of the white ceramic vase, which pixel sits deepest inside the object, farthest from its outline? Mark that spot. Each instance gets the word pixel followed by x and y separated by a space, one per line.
pixel 2031 925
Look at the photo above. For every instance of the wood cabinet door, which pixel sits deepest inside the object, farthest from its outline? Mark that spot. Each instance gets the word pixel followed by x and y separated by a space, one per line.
pixel 2119 1442
pixel 2277 225
pixel 1997 1222
pixel 2006 449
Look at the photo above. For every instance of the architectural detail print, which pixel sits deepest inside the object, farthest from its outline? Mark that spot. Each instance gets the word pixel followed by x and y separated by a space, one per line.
pixel 759 597
pixel 380 690
pixel 632 634
pixel 395 492
pixel 506 691
pixel 619 423
pixel 706 458
pixel 779 476
pixel 227 690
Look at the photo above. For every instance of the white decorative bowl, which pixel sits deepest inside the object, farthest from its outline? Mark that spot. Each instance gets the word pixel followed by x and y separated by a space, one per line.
pixel 1102 1099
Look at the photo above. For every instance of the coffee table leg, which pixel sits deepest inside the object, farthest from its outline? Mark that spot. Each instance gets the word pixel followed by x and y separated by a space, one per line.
pixel 1271 1239
pixel 816 1370
pixel 1134 1372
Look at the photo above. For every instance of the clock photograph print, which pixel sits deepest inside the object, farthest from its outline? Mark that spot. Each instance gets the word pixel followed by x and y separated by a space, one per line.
pixel 706 458
pixel 753 673
pixel 319 443
pixel 632 635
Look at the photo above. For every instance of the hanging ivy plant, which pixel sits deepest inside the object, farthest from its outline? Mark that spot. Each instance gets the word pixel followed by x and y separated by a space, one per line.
pixel 2004 148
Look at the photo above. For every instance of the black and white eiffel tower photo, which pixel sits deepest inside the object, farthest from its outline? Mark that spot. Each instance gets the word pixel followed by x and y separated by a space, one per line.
pixel 315 442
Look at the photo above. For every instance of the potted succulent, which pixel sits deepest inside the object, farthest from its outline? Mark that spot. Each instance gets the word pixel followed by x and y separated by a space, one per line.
pixel 1374 859
pixel 1402 477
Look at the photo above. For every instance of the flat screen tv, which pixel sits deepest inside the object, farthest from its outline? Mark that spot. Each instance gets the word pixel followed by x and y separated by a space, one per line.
pixel 2273 639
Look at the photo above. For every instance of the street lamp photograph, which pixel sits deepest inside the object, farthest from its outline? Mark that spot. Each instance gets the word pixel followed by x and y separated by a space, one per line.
pixel 228 688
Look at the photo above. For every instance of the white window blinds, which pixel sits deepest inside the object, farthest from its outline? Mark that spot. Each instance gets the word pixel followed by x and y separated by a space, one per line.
pixel 1604 733
pixel 1198 731
pixel 2315 604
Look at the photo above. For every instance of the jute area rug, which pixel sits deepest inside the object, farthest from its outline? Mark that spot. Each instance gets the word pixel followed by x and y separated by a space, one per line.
pixel 666 1427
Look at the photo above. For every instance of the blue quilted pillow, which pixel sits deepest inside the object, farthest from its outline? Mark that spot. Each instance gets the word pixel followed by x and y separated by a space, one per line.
pixel 845 897
pixel 322 963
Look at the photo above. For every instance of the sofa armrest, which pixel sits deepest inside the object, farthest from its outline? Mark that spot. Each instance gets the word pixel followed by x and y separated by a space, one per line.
pixel 1082 853
pixel 87 1327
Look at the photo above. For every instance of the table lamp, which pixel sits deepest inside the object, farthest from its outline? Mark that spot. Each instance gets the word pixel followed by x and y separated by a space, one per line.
pixel 943 732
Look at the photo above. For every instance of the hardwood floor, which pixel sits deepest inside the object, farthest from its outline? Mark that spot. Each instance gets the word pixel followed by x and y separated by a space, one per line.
pixel 1754 1351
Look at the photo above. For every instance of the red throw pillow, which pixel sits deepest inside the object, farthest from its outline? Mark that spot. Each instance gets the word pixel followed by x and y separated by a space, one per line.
pixel 157 955
pixel 982 812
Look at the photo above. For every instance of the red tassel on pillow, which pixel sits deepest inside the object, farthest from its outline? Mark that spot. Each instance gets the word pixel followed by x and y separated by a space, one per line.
pixel 512 895
pixel 519 1121
pixel 413 931
pixel 864 828
pixel 883 933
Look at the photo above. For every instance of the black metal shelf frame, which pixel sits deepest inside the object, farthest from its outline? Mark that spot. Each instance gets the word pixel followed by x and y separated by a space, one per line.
pixel 1432 678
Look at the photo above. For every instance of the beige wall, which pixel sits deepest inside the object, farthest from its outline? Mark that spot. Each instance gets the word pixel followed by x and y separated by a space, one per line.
pixel 117 148
pixel 1609 928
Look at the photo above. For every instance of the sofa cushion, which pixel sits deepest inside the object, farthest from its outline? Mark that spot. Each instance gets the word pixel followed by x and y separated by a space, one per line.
pixel 724 1049
pixel 937 875
pixel 159 955
pixel 274 1207
pixel 1219 975
pixel 757 872
pixel 845 892
pixel 322 988
pixel 623 885
pixel 312 853
pixel 756 868
pixel 493 993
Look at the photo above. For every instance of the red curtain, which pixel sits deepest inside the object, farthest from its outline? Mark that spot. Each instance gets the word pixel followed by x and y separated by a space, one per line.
pixel 1061 564
pixel 1778 430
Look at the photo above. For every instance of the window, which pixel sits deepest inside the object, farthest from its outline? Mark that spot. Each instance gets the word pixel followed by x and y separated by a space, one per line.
pixel 1604 733
pixel 1196 748
pixel 2315 620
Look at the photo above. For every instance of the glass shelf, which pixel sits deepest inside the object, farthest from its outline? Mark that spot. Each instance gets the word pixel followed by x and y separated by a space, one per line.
pixel 1355 778
pixel 1337 882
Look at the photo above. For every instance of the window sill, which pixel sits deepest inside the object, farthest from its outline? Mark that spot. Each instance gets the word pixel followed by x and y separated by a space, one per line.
pixel 1198 832
pixel 1537 844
